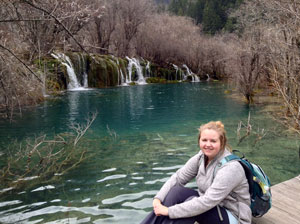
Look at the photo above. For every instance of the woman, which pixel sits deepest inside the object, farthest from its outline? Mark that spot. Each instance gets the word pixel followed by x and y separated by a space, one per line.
pixel 222 196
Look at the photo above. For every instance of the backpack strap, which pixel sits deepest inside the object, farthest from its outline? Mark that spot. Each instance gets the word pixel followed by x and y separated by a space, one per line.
pixel 229 158
pixel 247 169
pixel 224 161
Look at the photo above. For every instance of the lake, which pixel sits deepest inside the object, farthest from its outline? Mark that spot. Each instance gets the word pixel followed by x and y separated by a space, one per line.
pixel 141 136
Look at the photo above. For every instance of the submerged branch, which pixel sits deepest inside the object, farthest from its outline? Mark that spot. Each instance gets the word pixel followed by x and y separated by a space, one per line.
pixel 43 159
pixel 80 129
pixel 260 133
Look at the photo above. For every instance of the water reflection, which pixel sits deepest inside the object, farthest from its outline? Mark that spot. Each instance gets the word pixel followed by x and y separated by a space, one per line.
pixel 73 102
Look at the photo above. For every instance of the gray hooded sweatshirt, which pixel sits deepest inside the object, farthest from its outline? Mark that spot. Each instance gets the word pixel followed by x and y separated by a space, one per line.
pixel 229 188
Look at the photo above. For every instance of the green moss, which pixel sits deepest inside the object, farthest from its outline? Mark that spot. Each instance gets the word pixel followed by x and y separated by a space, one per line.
pixel 153 80
pixel 46 63
pixel 56 73
pixel 228 91
pixel 98 74
pixel 123 63
pixel 159 80
pixel 113 73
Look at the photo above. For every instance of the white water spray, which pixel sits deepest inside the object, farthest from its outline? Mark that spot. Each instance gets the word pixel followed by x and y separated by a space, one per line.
pixel 148 70
pixel 134 62
pixel 208 77
pixel 82 69
pixel 121 75
pixel 176 69
pixel 195 78
pixel 65 60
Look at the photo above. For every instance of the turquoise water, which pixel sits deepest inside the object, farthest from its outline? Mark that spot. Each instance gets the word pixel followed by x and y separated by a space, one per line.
pixel 142 135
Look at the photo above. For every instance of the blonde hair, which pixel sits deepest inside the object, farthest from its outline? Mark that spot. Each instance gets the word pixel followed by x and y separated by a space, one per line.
pixel 217 126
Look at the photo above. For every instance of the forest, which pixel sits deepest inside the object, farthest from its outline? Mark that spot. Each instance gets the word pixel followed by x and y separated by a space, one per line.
pixel 212 15
pixel 251 44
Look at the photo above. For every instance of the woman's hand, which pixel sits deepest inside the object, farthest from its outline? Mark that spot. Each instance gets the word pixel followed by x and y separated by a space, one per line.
pixel 159 209
pixel 156 202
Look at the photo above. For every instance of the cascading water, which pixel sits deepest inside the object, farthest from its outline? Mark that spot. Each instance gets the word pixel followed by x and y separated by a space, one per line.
pixel 195 78
pixel 208 77
pixel 82 69
pixel 78 71
pixel 184 74
pixel 134 62
pixel 148 70
pixel 65 60
pixel 176 69
pixel 123 80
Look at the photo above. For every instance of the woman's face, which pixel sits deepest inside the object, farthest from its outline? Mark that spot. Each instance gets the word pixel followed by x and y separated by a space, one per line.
pixel 210 143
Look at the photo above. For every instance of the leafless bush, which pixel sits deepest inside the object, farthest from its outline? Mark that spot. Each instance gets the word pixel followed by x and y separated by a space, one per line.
pixel 166 38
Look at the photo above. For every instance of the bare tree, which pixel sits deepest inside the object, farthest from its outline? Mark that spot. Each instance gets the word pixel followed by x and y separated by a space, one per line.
pixel 249 64
pixel 131 15
pixel 247 68
pixel 280 21
pixel 106 25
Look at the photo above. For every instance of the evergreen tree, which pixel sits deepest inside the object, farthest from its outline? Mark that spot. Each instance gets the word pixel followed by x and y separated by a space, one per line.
pixel 197 11
pixel 213 17
pixel 179 7
pixel 212 14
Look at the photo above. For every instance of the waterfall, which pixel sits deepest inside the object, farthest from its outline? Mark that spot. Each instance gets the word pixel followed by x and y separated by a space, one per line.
pixel 148 70
pixel 121 75
pixel 176 69
pixel 82 69
pixel 123 81
pixel 208 77
pixel 195 78
pixel 187 70
pixel 65 60
pixel 134 62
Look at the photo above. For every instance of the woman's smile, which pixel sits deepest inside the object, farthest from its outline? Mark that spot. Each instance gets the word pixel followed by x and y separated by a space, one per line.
pixel 210 143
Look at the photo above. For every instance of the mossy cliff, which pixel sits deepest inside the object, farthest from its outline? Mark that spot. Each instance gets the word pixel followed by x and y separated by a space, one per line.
pixel 105 71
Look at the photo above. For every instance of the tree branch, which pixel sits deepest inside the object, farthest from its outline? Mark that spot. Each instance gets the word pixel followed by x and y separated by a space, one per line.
pixel 57 20
pixel 15 56
pixel 22 20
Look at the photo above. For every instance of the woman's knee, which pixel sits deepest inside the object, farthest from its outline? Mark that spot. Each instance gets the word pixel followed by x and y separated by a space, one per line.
pixel 176 189
pixel 178 194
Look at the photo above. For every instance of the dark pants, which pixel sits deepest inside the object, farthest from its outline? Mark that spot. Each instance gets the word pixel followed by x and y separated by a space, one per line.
pixel 179 194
